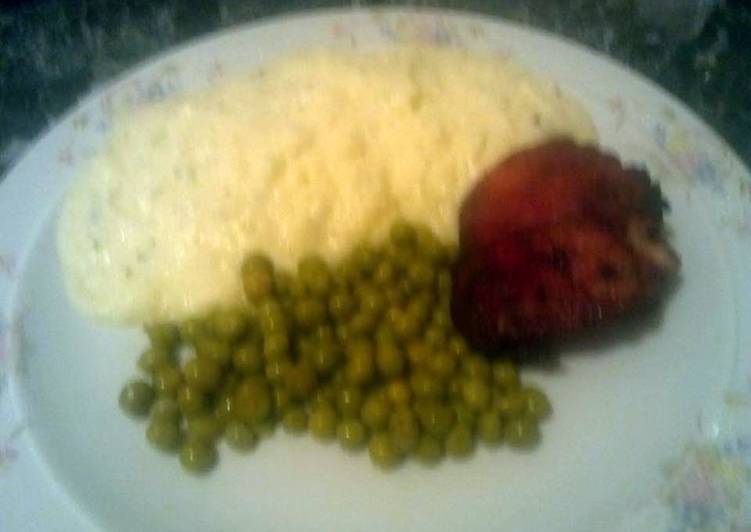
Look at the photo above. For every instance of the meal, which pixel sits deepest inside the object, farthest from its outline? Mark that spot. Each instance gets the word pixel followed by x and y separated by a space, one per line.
pixel 353 244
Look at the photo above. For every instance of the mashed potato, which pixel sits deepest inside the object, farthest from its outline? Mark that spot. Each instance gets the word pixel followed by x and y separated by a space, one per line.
pixel 318 152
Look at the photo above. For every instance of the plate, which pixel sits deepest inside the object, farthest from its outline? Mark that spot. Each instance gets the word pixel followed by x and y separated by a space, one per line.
pixel 651 432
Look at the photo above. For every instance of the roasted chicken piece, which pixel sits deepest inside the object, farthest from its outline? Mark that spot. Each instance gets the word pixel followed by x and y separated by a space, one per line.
pixel 556 239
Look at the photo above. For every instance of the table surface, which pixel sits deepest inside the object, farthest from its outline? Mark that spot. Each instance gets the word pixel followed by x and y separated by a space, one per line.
pixel 54 52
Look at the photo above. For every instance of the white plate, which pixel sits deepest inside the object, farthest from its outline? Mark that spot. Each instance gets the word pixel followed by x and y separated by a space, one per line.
pixel 650 433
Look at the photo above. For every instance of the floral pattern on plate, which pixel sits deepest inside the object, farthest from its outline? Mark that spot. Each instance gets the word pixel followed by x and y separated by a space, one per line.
pixel 707 488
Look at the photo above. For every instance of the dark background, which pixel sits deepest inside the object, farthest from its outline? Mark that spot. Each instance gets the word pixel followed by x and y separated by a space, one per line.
pixel 52 52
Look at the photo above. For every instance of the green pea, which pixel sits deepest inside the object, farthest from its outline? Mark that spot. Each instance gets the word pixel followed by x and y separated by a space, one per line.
pixel 407 326
pixel 429 450
pixel 322 422
pixel 165 409
pixel 371 299
pixel 345 273
pixel 393 295
pixel 280 398
pixel 276 370
pixel 421 274
pixel 343 333
pixel 287 304
pixel 239 436
pixel 351 434
pixel 441 318
pixel 360 364
pixel 314 272
pixel 363 323
pixel 304 346
pixel 490 428
pixel 202 373
pixel 218 351
pixel 163 434
pixel 298 289
pixel 464 414
pixel 337 379
pixel 521 433
pixel 375 411
pixel 384 334
pixel 295 420
pixel 383 452
pixel 203 427
pixel 505 374
pixel 341 304
pixel 167 379
pixel 309 313
pixel 153 358
pixel 435 336
pixel 399 392
pixel 460 441
pixel 349 400
pixel 429 247
pixel 425 385
pixel 365 259
pixel 403 234
pixel 509 405
pixel 282 283
pixel 537 405
pixel 228 384
pixel 476 394
pixel 271 318
pixel 164 336
pixel 229 324
pixel 257 273
pixel 252 400
pixel 475 366
pixel 325 395
pixel 418 311
pixel 247 358
pixel 442 364
pixel 392 314
pixel 458 347
pixel 276 346
pixel 325 357
pixel 418 353
pixel 436 418
pixel 191 329
pixel 400 257
pixel 136 398
pixel 198 456
pixel 324 333
pixel 300 380
pixel 389 359
pixel 384 274
pixel 456 387
pixel 190 400
pixel 224 407
pixel 264 429
pixel 404 429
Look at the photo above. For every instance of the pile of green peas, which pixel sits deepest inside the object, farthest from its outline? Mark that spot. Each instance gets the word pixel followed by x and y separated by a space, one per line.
pixel 362 352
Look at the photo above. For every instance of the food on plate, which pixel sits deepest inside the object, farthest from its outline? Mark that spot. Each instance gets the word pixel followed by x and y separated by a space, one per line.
pixel 554 240
pixel 361 352
pixel 350 168
pixel 314 154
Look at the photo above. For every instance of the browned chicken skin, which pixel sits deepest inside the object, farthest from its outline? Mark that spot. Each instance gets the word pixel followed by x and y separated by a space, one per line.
pixel 554 240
